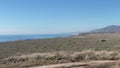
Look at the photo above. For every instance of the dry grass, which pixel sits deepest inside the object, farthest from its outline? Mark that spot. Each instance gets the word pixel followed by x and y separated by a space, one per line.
pixel 59 50
pixel 60 57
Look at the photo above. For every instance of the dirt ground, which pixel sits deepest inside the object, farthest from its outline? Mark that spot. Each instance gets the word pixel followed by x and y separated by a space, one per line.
pixel 88 64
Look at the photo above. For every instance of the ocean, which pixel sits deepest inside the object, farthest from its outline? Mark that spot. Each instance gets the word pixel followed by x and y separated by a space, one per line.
pixel 8 38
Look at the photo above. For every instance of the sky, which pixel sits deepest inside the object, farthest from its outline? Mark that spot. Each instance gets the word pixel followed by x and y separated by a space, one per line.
pixel 57 16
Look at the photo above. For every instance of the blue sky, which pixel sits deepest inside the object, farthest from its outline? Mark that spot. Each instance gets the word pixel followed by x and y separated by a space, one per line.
pixel 57 16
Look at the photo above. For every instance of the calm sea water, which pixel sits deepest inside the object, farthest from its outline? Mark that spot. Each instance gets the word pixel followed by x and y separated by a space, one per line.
pixel 7 38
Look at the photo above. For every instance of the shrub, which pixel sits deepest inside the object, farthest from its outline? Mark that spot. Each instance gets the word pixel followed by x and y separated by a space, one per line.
pixel 103 40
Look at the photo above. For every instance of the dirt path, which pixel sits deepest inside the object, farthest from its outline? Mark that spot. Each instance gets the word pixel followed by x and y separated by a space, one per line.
pixel 77 64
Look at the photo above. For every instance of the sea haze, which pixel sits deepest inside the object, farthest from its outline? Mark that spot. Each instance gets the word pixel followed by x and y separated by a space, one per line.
pixel 8 38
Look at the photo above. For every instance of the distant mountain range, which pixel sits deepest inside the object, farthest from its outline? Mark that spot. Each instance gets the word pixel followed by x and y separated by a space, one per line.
pixel 108 29
pixel 112 28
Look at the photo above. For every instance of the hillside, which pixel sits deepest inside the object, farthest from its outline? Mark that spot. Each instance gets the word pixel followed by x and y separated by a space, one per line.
pixel 91 46
pixel 108 29
pixel 75 43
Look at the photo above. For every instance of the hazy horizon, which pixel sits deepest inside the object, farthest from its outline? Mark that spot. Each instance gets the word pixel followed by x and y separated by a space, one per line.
pixel 57 16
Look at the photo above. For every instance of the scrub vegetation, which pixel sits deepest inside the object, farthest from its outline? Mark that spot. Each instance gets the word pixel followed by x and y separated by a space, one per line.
pixel 87 47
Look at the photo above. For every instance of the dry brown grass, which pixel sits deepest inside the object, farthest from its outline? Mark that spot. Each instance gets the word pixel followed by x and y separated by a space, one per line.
pixel 59 50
